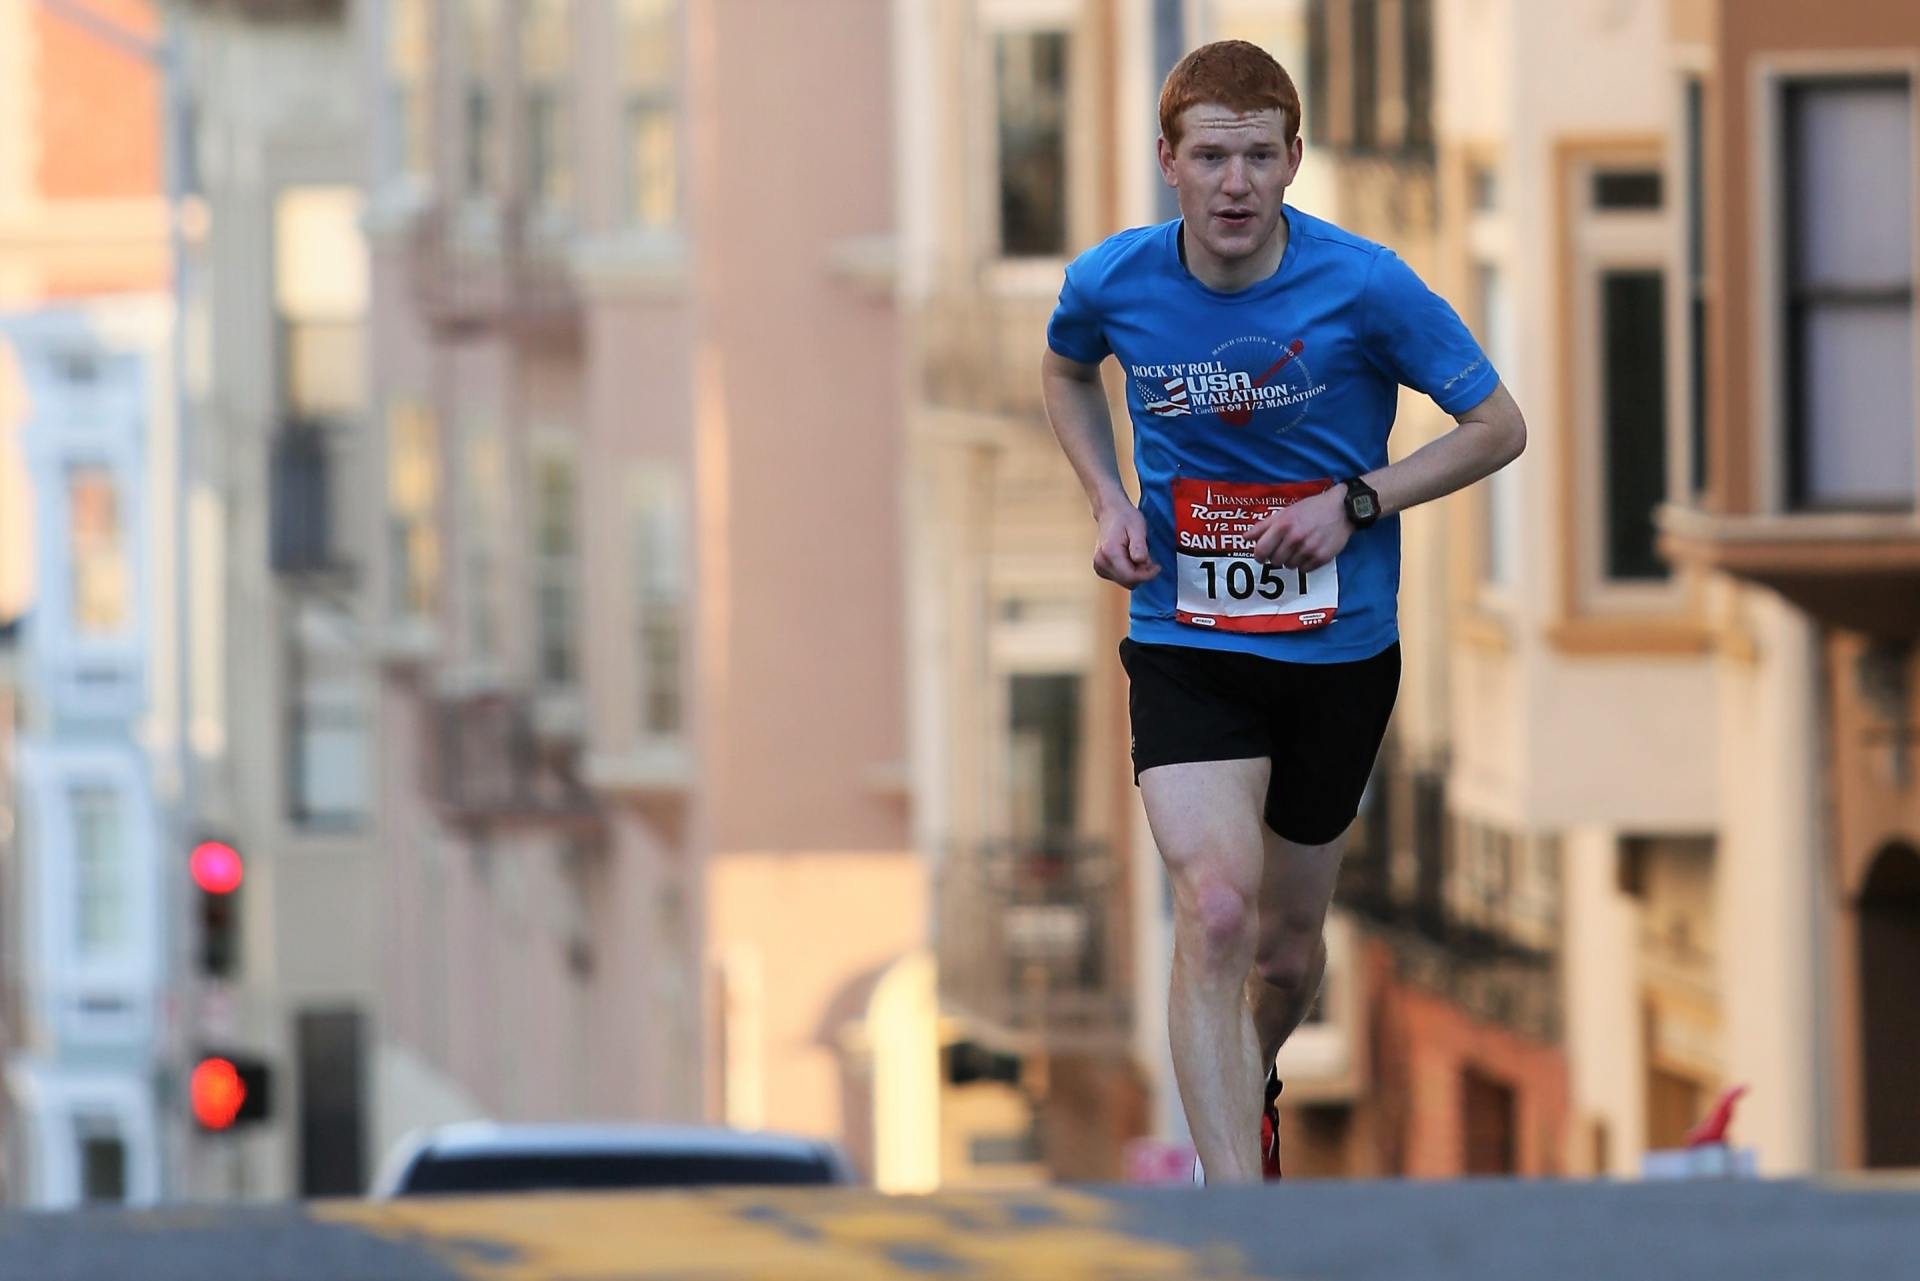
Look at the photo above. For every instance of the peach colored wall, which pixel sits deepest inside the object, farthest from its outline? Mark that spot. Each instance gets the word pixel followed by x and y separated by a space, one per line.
pixel 813 933
pixel 813 685
pixel 99 111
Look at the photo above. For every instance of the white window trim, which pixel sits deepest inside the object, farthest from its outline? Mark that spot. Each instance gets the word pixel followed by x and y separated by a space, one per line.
pixel 1769 340
pixel 1028 277
pixel 59 972
pixel 1688 64
pixel 1602 241
pixel 54 1101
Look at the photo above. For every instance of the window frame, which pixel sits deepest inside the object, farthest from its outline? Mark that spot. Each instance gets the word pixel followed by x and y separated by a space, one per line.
pixel 1597 614
pixel 1767 317
pixel 1796 310
pixel 1037 276
pixel 632 99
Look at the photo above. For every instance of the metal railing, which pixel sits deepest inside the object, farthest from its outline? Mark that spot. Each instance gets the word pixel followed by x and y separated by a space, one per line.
pixel 1032 941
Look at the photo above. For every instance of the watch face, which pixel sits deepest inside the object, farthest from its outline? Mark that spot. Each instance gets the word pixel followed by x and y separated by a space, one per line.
pixel 1363 506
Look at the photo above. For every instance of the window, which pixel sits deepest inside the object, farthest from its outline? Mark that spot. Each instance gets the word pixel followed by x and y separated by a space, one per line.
pixel 1030 93
pixel 1621 243
pixel 1370 73
pixel 1044 758
pixel 1634 412
pixel 1363 73
pixel 1849 294
pixel 409 85
pixel 103 1160
pixel 320 293
pixel 101 924
pixel 102 575
pixel 546 69
pixel 481 50
pixel 331 1053
pixel 1626 189
pixel 328 748
pixel 413 500
pixel 556 569
pixel 659 519
pixel 483 499
pixel 649 63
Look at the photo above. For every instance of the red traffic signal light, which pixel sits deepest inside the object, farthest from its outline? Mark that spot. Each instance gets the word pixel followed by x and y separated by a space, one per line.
pixel 228 1090
pixel 218 1093
pixel 216 867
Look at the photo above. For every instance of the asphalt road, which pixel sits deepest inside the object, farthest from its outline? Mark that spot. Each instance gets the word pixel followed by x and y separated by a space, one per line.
pixel 1321 1231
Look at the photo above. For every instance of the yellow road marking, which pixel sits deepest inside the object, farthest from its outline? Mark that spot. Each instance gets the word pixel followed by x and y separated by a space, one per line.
pixel 790 1235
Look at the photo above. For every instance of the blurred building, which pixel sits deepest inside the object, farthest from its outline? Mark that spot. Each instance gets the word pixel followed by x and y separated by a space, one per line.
pixel 86 435
pixel 642 739
pixel 282 510
pixel 1790 298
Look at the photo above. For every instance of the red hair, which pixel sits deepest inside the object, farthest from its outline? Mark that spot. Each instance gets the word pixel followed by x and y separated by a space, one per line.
pixel 1233 74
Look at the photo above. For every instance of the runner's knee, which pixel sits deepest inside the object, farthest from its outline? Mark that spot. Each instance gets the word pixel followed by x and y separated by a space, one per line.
pixel 1224 915
pixel 1288 968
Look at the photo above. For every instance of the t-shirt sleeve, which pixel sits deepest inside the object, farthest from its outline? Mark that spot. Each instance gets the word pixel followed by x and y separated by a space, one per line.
pixel 1074 331
pixel 1415 337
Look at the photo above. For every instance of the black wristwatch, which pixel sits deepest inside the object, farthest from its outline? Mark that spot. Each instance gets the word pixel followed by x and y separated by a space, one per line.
pixel 1363 505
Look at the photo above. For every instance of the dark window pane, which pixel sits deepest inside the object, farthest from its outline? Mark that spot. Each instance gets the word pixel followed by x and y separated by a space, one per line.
pixel 1626 189
pixel 1046 756
pixel 1318 70
pixel 1696 282
pixel 1634 409
pixel 103 1170
pixel 1031 75
pixel 332 1102
pixel 1417 44
pixel 1366 74
pixel 1697 401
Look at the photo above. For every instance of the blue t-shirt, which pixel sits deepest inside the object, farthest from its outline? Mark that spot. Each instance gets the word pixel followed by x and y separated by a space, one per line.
pixel 1293 379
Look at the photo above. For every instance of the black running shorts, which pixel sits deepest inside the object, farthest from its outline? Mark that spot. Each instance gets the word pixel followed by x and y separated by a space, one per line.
pixel 1321 724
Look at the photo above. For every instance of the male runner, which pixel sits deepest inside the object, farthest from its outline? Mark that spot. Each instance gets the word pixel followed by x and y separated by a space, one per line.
pixel 1263 351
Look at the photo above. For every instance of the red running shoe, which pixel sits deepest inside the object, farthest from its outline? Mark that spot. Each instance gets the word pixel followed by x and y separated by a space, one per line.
pixel 1270 1129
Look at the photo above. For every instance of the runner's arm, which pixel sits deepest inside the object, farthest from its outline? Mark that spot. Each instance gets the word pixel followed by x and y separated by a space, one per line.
pixel 1313 531
pixel 1486 438
pixel 1077 408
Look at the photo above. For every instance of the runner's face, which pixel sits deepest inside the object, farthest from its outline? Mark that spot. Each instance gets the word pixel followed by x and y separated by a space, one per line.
pixel 1231 172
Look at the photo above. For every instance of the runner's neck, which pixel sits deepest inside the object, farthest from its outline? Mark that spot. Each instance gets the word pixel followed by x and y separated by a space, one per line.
pixel 1248 272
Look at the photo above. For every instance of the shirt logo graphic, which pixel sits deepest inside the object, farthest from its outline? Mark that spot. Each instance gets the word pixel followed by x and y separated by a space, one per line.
pixel 1244 378
pixel 1172 403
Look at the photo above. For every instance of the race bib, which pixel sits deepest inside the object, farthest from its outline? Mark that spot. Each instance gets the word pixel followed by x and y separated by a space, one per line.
pixel 1220 585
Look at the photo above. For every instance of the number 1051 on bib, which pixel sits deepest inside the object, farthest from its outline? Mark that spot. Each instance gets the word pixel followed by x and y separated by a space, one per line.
pixel 1239 594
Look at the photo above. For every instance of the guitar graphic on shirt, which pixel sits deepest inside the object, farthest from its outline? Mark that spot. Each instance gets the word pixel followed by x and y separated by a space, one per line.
pixel 1241 414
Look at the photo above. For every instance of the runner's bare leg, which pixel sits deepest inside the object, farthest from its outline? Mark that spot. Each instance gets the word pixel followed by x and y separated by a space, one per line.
pixel 1206 821
pixel 1290 953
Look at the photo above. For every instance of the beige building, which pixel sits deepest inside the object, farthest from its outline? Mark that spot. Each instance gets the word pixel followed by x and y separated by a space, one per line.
pixel 1717 765
pixel 642 741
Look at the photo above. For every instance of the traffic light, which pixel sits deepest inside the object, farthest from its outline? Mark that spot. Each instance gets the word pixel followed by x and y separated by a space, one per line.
pixel 217 873
pixel 228 1091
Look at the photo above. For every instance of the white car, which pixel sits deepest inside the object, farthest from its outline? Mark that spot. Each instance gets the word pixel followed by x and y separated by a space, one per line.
pixel 481 1158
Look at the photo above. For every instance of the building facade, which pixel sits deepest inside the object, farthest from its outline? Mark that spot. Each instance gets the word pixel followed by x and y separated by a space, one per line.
pixel 280 517
pixel 86 428
pixel 643 799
